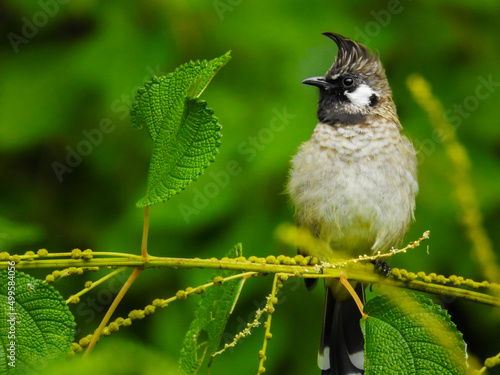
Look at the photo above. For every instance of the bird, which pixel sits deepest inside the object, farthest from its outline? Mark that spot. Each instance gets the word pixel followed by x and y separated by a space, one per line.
pixel 353 185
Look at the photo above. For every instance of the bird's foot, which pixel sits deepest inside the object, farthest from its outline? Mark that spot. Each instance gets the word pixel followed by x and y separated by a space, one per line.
pixel 384 267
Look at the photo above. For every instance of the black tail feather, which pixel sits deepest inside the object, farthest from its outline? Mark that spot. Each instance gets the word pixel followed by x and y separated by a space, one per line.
pixel 310 283
pixel 341 349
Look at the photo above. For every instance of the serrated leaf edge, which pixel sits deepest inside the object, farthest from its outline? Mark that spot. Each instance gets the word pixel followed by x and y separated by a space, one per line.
pixel 143 202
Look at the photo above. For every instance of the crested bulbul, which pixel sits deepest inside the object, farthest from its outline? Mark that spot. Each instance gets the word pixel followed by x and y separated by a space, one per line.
pixel 353 185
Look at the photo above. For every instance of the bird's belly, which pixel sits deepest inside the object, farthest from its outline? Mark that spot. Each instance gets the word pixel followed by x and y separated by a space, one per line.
pixel 358 204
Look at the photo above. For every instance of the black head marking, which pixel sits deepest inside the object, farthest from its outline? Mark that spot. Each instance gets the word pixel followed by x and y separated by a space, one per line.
pixel 374 99
pixel 354 85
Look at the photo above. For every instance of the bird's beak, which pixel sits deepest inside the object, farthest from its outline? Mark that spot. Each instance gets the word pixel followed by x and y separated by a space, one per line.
pixel 316 81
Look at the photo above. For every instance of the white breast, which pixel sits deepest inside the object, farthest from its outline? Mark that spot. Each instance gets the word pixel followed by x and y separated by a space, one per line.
pixel 355 187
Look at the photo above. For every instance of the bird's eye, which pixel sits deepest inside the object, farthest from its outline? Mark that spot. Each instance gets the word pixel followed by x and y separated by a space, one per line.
pixel 348 82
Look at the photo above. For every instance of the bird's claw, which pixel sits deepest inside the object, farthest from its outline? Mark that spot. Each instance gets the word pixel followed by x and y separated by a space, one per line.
pixel 384 267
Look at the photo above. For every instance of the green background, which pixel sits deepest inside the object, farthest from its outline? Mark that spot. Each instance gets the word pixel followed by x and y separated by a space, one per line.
pixel 82 66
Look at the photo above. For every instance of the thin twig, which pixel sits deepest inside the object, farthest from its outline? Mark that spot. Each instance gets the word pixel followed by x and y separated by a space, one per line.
pixel 111 310
pixel 96 283
pixel 144 245
pixel 352 292
pixel 271 301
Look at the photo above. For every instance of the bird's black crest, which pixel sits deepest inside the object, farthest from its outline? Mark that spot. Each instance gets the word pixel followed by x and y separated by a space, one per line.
pixel 352 56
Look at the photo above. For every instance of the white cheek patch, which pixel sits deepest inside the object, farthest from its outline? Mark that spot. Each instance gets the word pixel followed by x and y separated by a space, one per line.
pixel 361 96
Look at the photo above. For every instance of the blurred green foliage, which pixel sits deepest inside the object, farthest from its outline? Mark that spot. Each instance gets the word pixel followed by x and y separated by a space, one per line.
pixel 76 70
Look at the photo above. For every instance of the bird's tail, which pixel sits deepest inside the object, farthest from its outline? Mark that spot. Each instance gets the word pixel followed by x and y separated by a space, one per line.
pixel 341 349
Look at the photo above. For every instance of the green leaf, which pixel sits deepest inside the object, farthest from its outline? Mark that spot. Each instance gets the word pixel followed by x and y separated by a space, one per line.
pixel 35 322
pixel 205 331
pixel 185 132
pixel 411 335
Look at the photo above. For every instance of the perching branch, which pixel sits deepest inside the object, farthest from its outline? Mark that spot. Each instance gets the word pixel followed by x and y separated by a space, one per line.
pixel 297 266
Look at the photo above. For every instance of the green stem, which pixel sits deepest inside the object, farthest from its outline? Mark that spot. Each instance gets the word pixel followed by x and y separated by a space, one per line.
pixel 111 310
pixel 267 335
pixel 145 229
pixel 96 283
pixel 311 271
